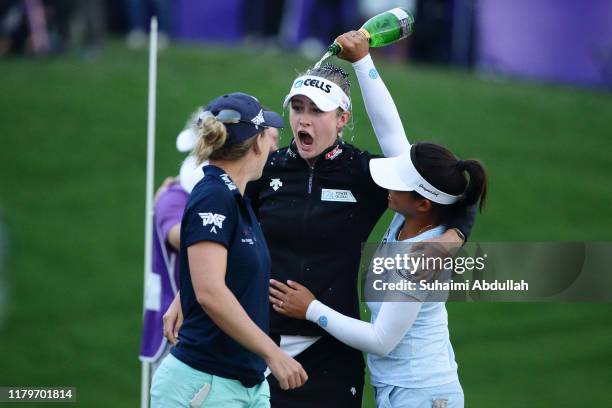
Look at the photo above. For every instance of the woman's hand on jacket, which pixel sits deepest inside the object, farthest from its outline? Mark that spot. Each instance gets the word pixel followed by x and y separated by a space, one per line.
pixel 291 300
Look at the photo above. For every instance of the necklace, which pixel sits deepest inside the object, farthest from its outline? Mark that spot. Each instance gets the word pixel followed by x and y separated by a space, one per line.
pixel 425 228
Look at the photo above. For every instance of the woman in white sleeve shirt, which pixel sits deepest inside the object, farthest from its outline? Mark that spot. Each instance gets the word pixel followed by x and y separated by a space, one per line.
pixel 410 357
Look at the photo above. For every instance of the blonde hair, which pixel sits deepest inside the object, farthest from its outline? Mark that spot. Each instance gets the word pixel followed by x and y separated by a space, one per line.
pixel 212 135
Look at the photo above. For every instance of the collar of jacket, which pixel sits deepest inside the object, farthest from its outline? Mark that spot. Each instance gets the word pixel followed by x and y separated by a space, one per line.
pixel 332 153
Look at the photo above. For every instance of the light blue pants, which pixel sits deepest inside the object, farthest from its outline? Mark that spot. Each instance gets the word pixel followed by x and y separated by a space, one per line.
pixel 442 396
pixel 175 385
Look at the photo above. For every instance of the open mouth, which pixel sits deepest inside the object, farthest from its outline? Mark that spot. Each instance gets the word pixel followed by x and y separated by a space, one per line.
pixel 305 138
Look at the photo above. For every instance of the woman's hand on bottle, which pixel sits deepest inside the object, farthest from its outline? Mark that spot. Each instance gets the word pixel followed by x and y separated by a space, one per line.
pixel 354 45
pixel 292 299
pixel 173 320
pixel 289 373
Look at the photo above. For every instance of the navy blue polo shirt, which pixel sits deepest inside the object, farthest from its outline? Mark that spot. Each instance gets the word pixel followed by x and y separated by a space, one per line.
pixel 216 211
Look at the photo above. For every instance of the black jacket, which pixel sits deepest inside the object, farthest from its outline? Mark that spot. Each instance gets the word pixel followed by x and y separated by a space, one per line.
pixel 315 220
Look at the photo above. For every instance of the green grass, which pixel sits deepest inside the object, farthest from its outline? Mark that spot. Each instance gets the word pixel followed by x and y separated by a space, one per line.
pixel 72 172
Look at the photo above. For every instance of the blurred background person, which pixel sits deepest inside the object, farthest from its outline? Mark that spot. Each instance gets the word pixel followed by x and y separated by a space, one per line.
pixel 24 27
pixel 50 27
pixel 88 27
pixel 310 25
pixel 13 26
pixel 139 13
pixel 262 19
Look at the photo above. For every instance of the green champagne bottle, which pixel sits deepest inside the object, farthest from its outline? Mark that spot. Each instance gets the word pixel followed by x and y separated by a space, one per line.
pixel 383 29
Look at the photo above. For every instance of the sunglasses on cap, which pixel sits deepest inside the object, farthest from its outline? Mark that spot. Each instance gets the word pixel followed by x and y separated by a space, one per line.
pixel 227 116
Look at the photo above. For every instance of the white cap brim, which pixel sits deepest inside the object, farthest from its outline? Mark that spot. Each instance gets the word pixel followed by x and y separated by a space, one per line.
pixel 186 140
pixel 399 174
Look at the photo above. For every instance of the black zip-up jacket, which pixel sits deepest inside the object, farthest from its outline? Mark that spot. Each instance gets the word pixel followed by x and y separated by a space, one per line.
pixel 315 220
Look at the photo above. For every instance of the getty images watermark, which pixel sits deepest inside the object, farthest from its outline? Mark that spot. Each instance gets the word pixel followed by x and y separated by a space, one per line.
pixel 508 272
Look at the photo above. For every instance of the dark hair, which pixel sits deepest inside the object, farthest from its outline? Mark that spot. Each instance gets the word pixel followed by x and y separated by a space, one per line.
pixel 443 170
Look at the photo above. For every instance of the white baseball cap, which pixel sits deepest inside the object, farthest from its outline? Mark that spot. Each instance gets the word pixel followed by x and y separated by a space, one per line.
pixel 399 174
pixel 323 92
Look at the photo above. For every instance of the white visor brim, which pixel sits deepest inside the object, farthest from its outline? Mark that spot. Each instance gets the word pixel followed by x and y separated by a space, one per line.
pixel 324 93
pixel 399 174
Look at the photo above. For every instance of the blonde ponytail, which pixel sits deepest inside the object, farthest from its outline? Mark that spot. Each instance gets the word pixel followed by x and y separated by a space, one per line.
pixel 212 135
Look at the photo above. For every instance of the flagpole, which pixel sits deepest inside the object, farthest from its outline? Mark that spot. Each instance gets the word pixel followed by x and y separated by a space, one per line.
pixel 145 370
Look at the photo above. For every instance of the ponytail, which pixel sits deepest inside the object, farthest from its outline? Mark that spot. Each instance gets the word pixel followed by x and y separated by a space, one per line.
pixel 443 170
pixel 476 189
pixel 212 135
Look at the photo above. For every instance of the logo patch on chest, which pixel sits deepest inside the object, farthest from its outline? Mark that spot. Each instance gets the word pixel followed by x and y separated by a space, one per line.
pixel 276 183
pixel 343 196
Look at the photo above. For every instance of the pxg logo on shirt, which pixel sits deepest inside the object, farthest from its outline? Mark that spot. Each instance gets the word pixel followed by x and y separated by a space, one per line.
pixel 216 220
pixel 314 83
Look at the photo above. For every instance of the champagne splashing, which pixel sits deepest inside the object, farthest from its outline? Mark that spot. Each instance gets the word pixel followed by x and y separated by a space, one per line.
pixel 325 56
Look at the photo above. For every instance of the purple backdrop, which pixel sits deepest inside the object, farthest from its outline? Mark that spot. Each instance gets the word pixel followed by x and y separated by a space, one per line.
pixel 222 20
pixel 213 20
pixel 553 40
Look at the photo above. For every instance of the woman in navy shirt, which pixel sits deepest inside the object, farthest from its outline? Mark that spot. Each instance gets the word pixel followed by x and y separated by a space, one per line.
pixel 223 347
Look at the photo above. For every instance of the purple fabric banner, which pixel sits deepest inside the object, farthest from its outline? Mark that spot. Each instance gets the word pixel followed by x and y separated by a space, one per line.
pixel 163 281
pixel 568 41
pixel 209 20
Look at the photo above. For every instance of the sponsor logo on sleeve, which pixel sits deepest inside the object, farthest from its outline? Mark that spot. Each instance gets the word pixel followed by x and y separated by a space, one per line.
pixel 215 220
pixel 343 196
